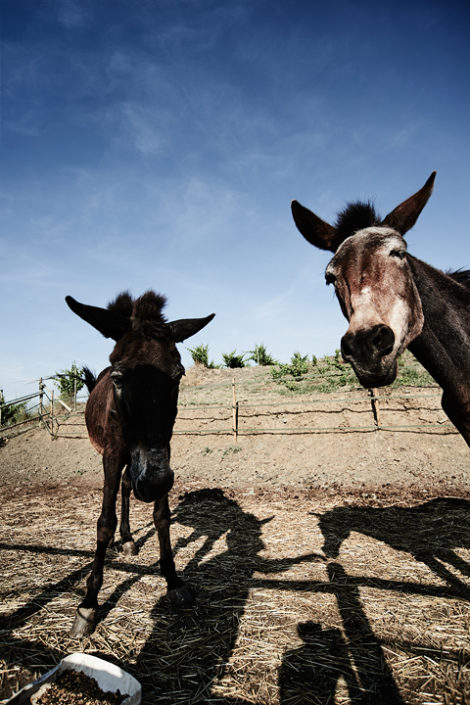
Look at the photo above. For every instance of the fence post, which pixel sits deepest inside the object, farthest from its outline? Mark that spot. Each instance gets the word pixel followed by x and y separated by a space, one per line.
pixel 234 411
pixel 374 402
pixel 41 400
pixel 52 414
pixel 2 399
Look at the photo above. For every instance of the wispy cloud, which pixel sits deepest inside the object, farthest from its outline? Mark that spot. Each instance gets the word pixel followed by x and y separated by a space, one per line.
pixel 71 13
pixel 140 126
pixel 158 145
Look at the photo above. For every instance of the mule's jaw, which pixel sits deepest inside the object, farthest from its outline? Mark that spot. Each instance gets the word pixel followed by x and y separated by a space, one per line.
pixel 150 473
pixel 153 486
pixel 376 378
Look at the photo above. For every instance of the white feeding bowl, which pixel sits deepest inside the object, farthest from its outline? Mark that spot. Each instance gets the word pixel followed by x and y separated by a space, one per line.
pixel 108 676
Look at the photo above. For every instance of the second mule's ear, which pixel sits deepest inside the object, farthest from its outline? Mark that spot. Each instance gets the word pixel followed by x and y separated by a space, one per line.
pixel 404 216
pixel 186 327
pixel 108 323
pixel 313 228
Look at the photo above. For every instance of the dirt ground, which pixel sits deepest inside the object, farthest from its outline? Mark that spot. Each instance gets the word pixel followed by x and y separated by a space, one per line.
pixel 331 566
pixel 278 453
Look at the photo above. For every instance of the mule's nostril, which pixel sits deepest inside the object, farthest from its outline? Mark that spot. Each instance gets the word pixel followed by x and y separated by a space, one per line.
pixel 347 345
pixel 383 340
pixel 367 344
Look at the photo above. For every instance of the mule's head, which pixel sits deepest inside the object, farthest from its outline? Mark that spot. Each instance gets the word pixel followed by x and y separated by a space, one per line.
pixel 373 281
pixel 143 382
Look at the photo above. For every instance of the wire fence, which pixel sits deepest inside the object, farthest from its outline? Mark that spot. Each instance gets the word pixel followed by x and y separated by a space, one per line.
pixel 350 411
pixel 239 407
pixel 42 408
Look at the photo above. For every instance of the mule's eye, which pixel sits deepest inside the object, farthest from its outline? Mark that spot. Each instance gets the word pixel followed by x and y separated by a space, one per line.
pixel 400 254
pixel 116 376
pixel 330 278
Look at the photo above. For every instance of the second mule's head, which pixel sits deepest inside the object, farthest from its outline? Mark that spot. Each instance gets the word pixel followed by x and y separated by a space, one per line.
pixel 142 383
pixel 373 281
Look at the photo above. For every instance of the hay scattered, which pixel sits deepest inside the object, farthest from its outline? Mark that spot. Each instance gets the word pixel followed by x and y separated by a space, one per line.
pixel 299 600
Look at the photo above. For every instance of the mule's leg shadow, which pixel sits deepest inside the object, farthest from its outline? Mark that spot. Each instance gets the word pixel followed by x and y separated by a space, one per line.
pixel 188 650
pixel 375 678
pixel 431 533
pixel 436 562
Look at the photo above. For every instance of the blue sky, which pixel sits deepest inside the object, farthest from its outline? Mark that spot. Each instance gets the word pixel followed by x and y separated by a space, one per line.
pixel 158 144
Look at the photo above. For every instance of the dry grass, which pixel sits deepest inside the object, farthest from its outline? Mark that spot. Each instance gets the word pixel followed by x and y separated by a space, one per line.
pixel 382 617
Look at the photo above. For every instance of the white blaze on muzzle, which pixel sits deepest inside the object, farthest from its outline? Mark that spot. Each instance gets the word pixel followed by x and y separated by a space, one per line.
pixel 390 298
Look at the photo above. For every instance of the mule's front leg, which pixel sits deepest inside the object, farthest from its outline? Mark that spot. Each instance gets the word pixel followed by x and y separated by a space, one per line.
pixel 85 619
pixel 179 593
pixel 128 544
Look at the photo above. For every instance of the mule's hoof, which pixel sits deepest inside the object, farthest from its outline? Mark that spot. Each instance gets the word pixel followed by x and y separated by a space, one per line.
pixel 85 622
pixel 129 548
pixel 182 597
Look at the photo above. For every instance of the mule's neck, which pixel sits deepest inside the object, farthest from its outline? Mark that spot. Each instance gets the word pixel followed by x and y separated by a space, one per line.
pixel 443 347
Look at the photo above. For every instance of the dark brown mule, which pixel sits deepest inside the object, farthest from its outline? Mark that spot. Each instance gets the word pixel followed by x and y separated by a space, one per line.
pixel 393 300
pixel 129 416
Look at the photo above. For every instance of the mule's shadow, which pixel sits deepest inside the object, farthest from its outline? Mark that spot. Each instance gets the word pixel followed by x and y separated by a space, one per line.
pixel 203 637
pixel 197 644
pixel 430 532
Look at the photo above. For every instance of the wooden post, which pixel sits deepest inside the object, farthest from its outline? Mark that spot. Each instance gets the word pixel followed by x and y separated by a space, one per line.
pixel 2 399
pixel 52 413
pixel 374 401
pixel 74 405
pixel 234 411
pixel 41 399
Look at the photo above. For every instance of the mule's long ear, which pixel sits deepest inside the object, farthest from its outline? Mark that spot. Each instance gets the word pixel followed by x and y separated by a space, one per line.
pixel 109 323
pixel 186 327
pixel 404 216
pixel 313 228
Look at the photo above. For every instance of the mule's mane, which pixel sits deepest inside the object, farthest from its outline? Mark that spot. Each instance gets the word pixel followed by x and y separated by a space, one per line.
pixel 354 217
pixel 148 307
pixel 462 276
pixel 144 312
pixel 359 215
pixel 122 304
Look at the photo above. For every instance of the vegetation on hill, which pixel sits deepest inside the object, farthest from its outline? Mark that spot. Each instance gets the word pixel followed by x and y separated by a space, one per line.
pixel 69 382
pixel 330 373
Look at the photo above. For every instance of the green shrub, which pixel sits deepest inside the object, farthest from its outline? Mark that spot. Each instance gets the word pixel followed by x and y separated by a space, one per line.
pixel 69 381
pixel 13 413
pixel 200 355
pixel 299 364
pixel 281 371
pixel 330 373
pixel 289 375
pixel 233 360
pixel 261 356
pixel 321 375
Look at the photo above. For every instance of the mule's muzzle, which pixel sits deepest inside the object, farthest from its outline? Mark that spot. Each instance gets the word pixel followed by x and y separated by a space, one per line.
pixel 368 351
pixel 151 475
